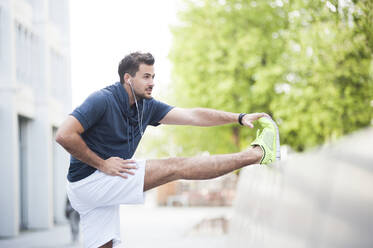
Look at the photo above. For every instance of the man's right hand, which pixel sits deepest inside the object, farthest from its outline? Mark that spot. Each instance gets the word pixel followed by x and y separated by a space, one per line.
pixel 69 137
pixel 116 166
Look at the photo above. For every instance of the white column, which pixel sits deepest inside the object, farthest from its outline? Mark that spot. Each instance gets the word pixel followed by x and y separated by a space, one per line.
pixel 41 182
pixel 40 174
pixel 9 168
pixel 61 163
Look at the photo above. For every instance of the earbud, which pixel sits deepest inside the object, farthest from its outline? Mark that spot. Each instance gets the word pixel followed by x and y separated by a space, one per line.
pixel 129 81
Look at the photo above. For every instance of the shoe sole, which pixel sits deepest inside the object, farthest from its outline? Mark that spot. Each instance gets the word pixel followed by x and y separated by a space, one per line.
pixel 278 150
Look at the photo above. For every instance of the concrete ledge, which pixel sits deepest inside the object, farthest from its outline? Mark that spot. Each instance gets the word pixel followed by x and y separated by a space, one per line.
pixel 323 198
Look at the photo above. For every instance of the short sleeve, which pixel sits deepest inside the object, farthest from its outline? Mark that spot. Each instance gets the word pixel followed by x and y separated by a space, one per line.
pixel 160 110
pixel 91 110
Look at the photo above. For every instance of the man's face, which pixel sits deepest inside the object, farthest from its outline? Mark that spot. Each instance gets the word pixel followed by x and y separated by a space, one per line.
pixel 143 82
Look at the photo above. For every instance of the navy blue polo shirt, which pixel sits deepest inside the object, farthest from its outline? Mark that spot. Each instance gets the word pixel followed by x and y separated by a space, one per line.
pixel 112 126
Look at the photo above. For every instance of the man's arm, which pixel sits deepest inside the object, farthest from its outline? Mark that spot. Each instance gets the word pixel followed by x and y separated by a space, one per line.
pixel 68 136
pixel 207 117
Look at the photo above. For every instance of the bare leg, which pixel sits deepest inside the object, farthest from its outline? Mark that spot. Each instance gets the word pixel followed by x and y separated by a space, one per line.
pixel 161 171
pixel 107 245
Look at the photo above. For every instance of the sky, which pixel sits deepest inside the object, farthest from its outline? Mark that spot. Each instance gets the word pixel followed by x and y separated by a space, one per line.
pixel 103 32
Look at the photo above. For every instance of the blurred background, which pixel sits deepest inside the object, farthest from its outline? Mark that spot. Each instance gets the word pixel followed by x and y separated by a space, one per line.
pixel 309 64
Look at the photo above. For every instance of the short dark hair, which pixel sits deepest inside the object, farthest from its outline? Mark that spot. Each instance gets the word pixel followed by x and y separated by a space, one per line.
pixel 130 63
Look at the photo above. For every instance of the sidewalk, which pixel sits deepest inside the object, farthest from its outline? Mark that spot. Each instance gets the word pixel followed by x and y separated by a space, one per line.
pixel 142 226
pixel 169 227
pixel 57 237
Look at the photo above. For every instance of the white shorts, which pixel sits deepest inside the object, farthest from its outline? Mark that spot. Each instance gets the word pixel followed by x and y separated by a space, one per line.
pixel 97 199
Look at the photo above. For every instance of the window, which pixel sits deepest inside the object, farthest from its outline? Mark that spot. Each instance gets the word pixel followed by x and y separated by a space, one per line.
pixel 18 38
pixel 58 71
pixel 23 152
pixel 27 60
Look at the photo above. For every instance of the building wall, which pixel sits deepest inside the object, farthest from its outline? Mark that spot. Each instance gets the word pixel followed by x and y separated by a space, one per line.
pixel 35 97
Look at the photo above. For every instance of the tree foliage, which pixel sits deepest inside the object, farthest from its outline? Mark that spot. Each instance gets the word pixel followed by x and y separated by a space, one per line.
pixel 307 63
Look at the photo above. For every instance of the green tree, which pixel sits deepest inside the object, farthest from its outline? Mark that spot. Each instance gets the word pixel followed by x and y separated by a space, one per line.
pixel 216 52
pixel 327 76
pixel 307 63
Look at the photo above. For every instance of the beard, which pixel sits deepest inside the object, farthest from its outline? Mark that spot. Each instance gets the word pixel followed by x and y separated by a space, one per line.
pixel 144 96
pixel 147 97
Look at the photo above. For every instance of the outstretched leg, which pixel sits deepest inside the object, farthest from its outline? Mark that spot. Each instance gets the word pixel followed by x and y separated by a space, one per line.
pixel 161 171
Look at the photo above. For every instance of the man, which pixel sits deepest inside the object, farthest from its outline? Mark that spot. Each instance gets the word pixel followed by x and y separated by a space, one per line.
pixel 103 133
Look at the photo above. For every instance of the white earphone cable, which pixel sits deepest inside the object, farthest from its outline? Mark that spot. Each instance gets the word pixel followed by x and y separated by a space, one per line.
pixel 138 114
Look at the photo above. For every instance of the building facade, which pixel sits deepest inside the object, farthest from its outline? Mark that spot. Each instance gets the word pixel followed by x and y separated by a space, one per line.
pixel 35 97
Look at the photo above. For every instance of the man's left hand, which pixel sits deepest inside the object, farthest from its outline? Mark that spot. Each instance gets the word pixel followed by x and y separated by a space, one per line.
pixel 248 119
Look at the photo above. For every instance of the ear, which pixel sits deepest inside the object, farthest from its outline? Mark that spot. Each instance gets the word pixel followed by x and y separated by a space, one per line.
pixel 126 77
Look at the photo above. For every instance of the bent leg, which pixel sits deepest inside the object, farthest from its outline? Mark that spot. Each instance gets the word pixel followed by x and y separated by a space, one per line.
pixel 161 171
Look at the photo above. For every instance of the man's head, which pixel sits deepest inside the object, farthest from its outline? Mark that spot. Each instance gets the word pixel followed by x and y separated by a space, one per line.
pixel 136 70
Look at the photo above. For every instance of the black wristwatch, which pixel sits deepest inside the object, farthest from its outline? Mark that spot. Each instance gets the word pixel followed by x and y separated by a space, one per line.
pixel 240 118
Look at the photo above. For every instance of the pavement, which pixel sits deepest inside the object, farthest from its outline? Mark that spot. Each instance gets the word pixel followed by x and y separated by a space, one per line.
pixel 58 236
pixel 144 226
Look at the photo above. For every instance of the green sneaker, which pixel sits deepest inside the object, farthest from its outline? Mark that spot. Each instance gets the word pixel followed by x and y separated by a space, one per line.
pixel 269 140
